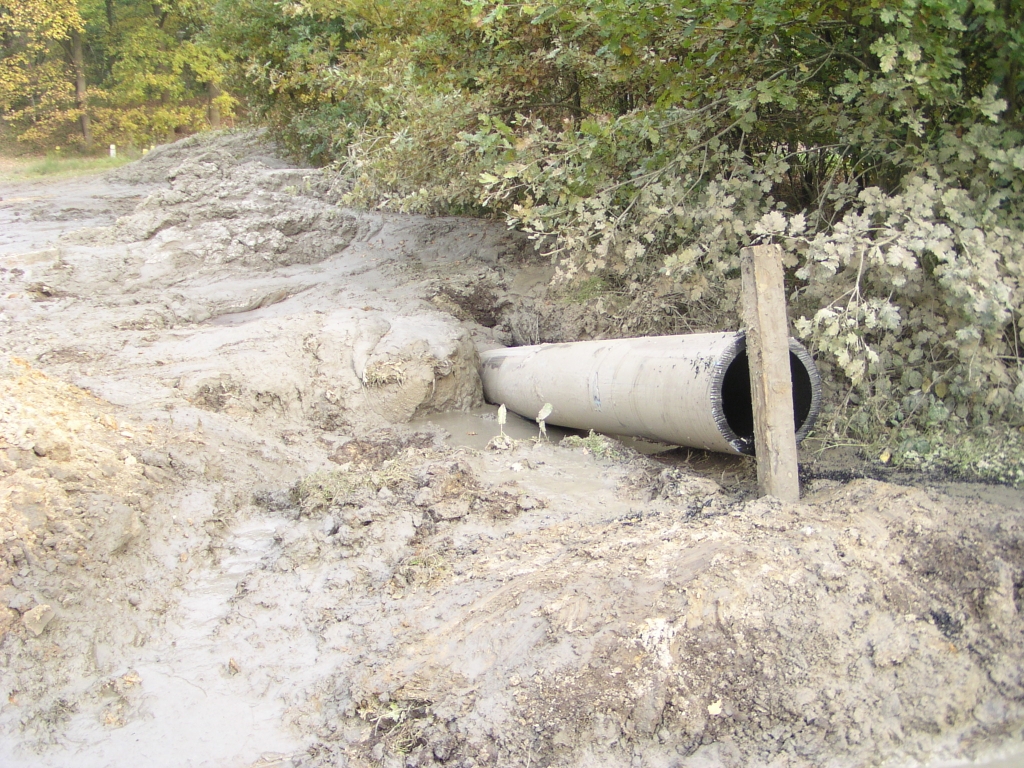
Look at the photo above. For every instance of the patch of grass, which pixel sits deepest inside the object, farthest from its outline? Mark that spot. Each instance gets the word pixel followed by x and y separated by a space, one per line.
pixel 395 723
pixel 55 165
pixel 383 373
pixel 598 445
pixel 321 489
pixel 590 289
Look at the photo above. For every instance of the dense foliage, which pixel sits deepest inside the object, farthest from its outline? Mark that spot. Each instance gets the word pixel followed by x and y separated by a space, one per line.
pixel 92 72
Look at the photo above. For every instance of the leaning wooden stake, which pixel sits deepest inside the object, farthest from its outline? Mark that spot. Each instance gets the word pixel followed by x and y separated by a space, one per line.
pixel 771 383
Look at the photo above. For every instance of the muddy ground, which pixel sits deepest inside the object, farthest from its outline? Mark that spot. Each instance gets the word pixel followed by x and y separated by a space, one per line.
pixel 235 532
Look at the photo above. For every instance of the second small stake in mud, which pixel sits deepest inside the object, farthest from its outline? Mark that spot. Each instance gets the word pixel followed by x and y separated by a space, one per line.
pixel 771 383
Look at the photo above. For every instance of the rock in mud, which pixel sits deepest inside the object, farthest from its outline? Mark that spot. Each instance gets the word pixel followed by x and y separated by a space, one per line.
pixel 38 619
pixel 153 458
pixel 52 447
pixel 526 503
pixel 451 510
pixel 121 528
pixel 21 602
pixel 155 474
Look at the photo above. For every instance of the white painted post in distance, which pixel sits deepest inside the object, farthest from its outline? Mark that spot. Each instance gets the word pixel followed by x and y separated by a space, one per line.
pixel 771 382
pixel 113 150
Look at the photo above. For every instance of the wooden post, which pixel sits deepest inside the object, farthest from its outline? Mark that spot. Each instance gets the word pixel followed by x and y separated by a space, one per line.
pixel 771 383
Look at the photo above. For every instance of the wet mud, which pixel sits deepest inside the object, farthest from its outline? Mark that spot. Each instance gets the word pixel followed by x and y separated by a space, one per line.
pixel 254 512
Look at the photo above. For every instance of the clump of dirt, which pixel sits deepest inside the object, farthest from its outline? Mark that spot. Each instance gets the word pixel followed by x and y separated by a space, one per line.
pixel 411 372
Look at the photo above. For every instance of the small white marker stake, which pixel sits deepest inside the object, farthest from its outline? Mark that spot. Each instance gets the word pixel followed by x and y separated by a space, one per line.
pixel 542 417
pixel 113 150
pixel 502 418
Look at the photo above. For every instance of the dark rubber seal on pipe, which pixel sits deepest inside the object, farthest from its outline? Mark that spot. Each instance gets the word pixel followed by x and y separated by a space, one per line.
pixel 732 404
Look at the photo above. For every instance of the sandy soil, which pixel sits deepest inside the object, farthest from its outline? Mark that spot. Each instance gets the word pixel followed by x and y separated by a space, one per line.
pixel 235 530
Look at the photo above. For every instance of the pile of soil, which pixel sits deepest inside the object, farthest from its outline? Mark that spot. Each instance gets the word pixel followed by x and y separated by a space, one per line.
pixel 217 530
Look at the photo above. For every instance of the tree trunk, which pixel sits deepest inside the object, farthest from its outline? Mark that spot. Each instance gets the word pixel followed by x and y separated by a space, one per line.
pixel 78 61
pixel 214 106
pixel 1010 90
pixel 110 14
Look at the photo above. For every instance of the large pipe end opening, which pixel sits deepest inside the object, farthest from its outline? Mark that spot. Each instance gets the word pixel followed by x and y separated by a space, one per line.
pixel 735 404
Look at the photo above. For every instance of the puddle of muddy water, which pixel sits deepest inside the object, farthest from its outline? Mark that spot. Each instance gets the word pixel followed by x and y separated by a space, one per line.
pixel 475 428
pixel 181 722
pixel 206 602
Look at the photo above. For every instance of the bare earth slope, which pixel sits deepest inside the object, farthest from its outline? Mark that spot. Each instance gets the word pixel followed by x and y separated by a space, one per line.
pixel 219 546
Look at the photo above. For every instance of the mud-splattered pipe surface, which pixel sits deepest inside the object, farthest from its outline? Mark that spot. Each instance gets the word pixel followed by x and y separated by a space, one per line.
pixel 691 390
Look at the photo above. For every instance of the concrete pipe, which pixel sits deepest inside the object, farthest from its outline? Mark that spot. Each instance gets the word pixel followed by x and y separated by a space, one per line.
pixel 691 390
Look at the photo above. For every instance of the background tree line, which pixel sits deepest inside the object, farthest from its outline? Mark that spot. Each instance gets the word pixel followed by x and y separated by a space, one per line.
pixel 642 143
pixel 91 72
